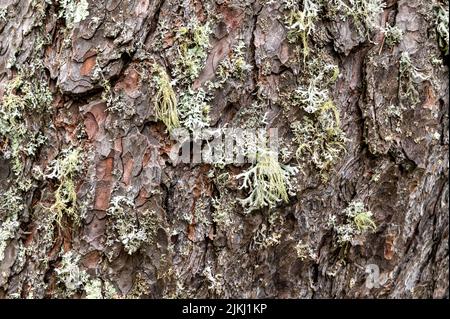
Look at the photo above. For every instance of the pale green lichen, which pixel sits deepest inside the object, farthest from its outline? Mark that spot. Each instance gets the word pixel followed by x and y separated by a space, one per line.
pixel 300 21
pixel 133 229
pixel 23 97
pixel 357 221
pixel 233 66
pixel 11 205
pixel 392 35
pixel 441 22
pixel 64 169
pixel 268 180
pixel 73 11
pixel 192 43
pixel 69 273
pixel 364 14
pixel 320 140
pixel 409 74
pixel 194 109
pixel 165 100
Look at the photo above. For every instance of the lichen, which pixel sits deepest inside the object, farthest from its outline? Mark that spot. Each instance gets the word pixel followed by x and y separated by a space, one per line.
pixel 300 21
pixel 69 273
pixel 363 13
pixel 392 35
pixel 23 98
pixel 194 109
pixel 73 11
pixel 357 221
pixel 133 229
pixel 409 74
pixel 192 43
pixel 268 180
pixel 64 169
pixel 441 22
pixel 165 99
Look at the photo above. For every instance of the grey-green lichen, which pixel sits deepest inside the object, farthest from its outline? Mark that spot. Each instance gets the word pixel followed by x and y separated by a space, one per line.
pixel 300 21
pixel 165 100
pixel 268 180
pixel 441 22
pixel 357 220
pixel 192 43
pixel 364 14
pixel 73 11
pixel 392 35
pixel 24 96
pixel 409 75
pixel 133 228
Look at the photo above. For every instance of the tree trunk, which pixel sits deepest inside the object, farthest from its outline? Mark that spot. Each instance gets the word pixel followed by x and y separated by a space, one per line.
pixel 95 202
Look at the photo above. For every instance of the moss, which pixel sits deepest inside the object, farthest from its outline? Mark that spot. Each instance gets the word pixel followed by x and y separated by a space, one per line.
pixel 165 99
pixel 268 180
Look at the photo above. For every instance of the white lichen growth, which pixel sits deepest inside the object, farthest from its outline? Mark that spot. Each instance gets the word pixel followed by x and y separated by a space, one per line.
pixel 194 109
pixel 365 14
pixel 64 169
pixel 11 204
pixel 409 75
pixel 392 35
pixel 300 21
pixel 73 11
pixel 165 99
pixel 441 22
pixel 133 229
pixel 268 180
pixel 69 272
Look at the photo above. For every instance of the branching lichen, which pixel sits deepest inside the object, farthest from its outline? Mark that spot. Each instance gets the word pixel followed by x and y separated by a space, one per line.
pixel 22 98
pixel 441 22
pixel 133 229
pixel 357 221
pixel 73 11
pixel 64 169
pixel 268 180
pixel 192 44
pixel 363 13
pixel 194 109
pixel 165 99
pixel 300 21
pixel 408 76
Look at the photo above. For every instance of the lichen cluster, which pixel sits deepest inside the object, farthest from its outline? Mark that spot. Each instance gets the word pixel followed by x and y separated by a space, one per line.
pixel 356 221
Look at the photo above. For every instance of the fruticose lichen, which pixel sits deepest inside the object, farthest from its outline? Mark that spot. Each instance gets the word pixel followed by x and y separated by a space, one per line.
pixel 357 221
pixel 64 169
pixel 165 100
pixel 268 180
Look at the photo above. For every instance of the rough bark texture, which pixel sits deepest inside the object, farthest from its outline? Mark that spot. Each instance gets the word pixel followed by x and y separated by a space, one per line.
pixel 100 68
